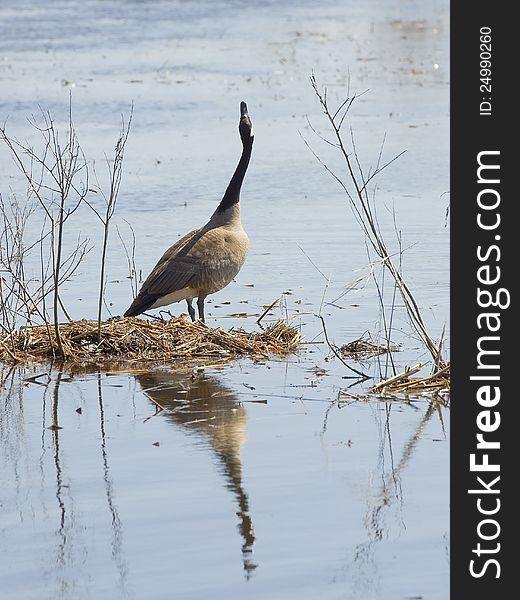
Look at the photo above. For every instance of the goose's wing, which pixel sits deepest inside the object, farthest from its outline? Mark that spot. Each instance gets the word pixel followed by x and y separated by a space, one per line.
pixel 174 271
pixel 174 274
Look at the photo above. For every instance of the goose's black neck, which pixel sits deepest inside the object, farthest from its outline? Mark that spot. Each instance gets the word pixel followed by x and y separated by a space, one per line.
pixel 232 193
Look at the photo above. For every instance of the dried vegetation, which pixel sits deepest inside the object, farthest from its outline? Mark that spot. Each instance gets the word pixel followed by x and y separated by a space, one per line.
pixel 386 270
pixel 133 338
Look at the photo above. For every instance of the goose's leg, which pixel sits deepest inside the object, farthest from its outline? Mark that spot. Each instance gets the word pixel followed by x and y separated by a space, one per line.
pixel 200 306
pixel 191 310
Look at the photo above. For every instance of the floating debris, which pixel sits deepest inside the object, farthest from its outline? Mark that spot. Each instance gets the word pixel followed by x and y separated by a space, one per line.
pixel 436 383
pixel 361 348
pixel 133 338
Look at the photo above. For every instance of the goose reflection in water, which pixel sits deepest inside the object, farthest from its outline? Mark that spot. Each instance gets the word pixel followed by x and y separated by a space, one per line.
pixel 204 405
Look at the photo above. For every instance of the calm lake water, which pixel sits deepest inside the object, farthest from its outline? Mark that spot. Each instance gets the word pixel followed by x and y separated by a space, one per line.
pixel 259 479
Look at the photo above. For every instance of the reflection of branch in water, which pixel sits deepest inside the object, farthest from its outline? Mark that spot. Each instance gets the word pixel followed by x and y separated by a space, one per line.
pixel 53 461
pixel 365 567
pixel 414 439
pixel 43 444
pixel 206 406
pixel 66 519
pixel 62 534
pixel 390 481
pixel 11 425
pixel 117 530
pixel 13 406
pixel 6 374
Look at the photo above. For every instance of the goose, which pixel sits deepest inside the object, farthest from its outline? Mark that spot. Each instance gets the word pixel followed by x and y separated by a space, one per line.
pixel 205 260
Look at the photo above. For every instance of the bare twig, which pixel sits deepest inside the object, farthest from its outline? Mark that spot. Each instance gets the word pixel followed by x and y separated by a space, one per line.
pixel 130 259
pixel 115 170
pixel 57 178
pixel 56 174
pixel 335 350
pixel 272 305
pixel 357 194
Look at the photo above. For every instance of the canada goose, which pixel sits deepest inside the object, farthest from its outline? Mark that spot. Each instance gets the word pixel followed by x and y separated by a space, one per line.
pixel 205 260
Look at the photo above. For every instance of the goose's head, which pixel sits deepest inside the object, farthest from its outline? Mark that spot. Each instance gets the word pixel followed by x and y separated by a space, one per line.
pixel 245 126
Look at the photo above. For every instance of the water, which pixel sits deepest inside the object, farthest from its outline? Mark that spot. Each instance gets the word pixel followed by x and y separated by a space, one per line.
pixel 257 480
pixel 228 492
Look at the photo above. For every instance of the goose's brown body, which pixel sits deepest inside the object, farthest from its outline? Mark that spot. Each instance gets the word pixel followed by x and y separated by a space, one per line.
pixel 201 263
pixel 207 259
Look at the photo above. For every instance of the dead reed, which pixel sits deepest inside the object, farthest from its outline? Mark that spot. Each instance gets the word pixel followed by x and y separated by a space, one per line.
pixel 402 383
pixel 358 184
pixel 133 338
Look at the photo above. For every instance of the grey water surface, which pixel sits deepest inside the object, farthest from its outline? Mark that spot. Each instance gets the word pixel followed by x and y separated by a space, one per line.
pixel 259 479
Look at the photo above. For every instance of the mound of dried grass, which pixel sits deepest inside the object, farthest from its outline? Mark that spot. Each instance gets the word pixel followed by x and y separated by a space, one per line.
pixel 133 338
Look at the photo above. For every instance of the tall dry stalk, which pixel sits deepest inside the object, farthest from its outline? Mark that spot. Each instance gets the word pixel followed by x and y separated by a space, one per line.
pixel 357 193
pixel 115 170
pixel 133 275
